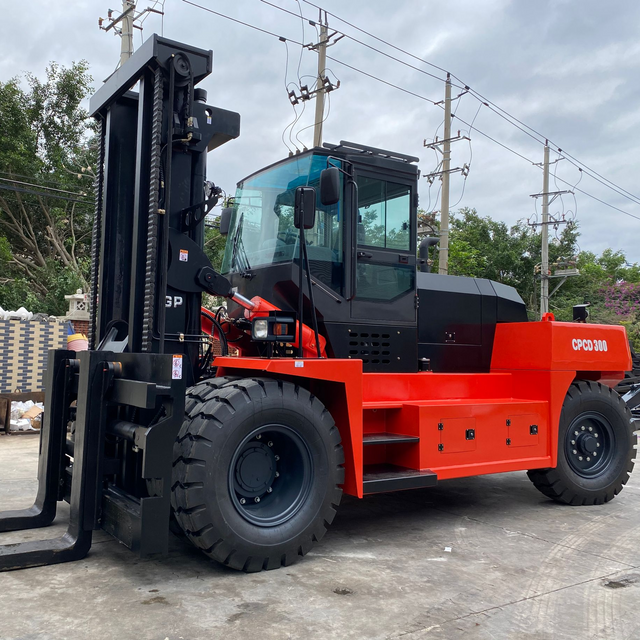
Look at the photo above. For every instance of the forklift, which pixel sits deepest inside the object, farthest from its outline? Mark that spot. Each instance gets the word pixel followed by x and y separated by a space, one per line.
pixel 354 369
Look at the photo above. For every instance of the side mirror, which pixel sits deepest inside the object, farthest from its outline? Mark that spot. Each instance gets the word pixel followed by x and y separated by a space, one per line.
pixel 330 185
pixel 304 211
pixel 225 220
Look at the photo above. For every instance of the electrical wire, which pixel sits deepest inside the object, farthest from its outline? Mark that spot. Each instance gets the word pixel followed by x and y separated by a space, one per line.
pixel 364 44
pixel 407 91
pixel 514 121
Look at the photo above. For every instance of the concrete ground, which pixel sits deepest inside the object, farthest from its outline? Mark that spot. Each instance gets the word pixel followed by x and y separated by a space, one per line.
pixel 482 558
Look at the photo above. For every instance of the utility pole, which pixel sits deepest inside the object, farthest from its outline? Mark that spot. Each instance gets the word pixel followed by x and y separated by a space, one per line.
pixel 323 84
pixel 126 36
pixel 544 267
pixel 127 21
pixel 443 260
pixel 322 63
pixel 548 220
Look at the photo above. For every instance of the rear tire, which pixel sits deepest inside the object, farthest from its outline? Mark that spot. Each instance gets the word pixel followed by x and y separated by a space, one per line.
pixel 257 468
pixel 595 447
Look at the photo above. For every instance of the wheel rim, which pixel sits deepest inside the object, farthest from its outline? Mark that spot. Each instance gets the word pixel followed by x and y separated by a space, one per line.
pixel 590 445
pixel 270 475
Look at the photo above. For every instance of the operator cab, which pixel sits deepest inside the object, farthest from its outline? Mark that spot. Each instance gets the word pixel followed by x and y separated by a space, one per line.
pixel 361 249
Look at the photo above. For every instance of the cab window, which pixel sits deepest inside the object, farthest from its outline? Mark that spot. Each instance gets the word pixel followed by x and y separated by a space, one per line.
pixel 384 210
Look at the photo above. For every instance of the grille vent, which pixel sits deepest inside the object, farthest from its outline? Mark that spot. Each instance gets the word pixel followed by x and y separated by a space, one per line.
pixel 370 347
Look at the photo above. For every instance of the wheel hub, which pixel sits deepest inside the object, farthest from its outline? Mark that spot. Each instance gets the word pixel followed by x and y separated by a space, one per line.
pixel 270 475
pixel 255 470
pixel 589 445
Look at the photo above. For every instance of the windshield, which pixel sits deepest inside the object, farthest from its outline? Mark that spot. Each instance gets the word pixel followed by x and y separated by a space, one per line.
pixel 262 233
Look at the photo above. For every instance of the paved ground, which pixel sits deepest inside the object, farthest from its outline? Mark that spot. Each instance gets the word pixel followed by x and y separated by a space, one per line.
pixel 519 567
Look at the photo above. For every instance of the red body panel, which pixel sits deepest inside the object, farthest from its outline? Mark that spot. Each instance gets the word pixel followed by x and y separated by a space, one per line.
pixel 468 424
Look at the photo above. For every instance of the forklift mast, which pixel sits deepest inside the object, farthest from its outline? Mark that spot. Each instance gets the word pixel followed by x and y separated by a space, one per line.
pixel 112 413
pixel 151 201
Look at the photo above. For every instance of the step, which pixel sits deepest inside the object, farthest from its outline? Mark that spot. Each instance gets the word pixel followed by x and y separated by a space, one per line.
pixel 387 438
pixel 384 404
pixel 379 478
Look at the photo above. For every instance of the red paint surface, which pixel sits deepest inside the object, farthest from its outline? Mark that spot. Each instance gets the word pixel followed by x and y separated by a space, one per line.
pixel 514 410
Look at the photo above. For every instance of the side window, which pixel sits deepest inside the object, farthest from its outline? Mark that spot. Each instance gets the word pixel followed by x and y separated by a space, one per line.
pixel 384 281
pixel 384 209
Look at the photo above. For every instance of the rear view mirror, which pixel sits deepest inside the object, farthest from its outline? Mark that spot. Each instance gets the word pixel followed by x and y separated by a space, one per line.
pixel 304 212
pixel 330 186
pixel 225 220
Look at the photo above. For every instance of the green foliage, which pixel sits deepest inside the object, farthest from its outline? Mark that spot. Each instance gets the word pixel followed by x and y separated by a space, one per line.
pixel 214 244
pixel 46 144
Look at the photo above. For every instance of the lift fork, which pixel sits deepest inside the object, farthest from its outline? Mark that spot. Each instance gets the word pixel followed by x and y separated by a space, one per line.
pixel 77 469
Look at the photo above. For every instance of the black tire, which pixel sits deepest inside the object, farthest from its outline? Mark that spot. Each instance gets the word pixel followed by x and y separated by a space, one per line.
pixel 256 438
pixel 595 447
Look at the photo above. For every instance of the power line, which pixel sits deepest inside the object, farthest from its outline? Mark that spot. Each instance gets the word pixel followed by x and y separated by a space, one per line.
pixel 43 194
pixel 39 186
pixel 21 175
pixel 505 115
pixel 360 42
pixel 399 88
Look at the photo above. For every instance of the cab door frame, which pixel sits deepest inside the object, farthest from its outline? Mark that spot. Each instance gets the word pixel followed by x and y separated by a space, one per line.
pixel 401 309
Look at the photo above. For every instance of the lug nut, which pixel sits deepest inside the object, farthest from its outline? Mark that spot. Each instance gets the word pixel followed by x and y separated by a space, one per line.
pixel 277 474
pixel 595 435
pixel 582 427
pixel 573 442
pixel 260 435
pixel 277 458
pixel 590 428
pixel 588 459
pixel 256 499
pixel 579 457
pixel 597 444
pixel 575 433
pixel 595 453
pixel 270 444
pixel 269 490
pixel 242 501
pixel 574 452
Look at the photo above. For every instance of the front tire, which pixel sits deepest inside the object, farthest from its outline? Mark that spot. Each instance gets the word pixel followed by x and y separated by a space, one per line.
pixel 595 447
pixel 257 468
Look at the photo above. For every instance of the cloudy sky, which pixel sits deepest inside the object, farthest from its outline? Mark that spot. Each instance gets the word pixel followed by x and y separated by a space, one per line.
pixel 567 68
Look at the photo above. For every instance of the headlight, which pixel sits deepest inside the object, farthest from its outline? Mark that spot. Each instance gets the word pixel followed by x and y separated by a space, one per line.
pixel 260 329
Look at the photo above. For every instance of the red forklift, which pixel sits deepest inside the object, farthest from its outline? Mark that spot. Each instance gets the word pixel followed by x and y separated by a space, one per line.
pixel 355 370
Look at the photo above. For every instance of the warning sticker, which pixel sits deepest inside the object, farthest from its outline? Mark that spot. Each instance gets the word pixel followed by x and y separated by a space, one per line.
pixel 176 368
pixel 184 255
pixel 299 364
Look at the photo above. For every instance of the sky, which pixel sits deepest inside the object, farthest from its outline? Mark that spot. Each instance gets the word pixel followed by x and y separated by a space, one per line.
pixel 567 68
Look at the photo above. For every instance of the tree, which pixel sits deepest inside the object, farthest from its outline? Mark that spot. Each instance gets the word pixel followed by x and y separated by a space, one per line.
pixel 46 188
